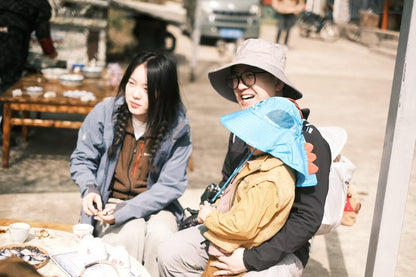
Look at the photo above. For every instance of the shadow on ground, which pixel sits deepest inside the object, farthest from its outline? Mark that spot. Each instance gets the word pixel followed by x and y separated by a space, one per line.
pixel 331 257
pixel 315 268
pixel 41 164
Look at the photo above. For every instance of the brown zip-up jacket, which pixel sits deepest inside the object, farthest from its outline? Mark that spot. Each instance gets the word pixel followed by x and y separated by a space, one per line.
pixel 130 177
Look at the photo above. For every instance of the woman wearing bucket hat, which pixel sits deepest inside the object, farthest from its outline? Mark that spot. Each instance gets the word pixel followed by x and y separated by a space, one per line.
pixel 257 73
pixel 259 69
pixel 257 200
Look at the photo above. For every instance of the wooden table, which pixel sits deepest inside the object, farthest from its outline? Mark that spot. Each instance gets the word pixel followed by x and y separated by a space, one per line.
pixel 38 224
pixel 17 108
pixel 60 239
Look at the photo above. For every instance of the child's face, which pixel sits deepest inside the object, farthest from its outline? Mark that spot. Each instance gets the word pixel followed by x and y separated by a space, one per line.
pixel 257 152
pixel 136 93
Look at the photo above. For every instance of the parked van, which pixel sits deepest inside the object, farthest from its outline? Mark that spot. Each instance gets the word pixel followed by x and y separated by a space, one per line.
pixel 226 20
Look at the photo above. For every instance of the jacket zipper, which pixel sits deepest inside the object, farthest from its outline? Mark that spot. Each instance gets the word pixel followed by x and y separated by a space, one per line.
pixel 130 163
pixel 138 159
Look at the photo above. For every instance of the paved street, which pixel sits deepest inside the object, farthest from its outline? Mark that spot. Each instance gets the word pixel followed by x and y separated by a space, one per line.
pixel 344 84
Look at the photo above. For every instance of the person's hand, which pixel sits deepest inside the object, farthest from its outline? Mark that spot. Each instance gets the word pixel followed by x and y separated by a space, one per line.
pixel 230 264
pixel 204 211
pixel 106 215
pixel 88 203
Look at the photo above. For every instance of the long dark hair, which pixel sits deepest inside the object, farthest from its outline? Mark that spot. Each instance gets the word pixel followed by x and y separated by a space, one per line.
pixel 164 99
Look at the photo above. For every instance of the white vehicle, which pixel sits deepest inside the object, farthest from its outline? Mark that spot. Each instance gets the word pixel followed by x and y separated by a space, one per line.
pixel 227 20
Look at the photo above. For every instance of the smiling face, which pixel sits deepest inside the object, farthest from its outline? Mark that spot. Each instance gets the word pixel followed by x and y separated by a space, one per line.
pixel 266 86
pixel 136 93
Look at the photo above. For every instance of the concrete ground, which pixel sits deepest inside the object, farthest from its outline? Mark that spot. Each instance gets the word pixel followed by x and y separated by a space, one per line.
pixel 344 84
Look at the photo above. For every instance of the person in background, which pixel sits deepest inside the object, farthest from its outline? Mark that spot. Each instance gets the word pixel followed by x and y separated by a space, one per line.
pixel 131 159
pixel 257 73
pixel 287 11
pixel 18 19
pixel 257 201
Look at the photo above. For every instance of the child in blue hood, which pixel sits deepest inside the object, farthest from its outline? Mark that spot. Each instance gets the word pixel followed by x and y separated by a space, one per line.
pixel 259 195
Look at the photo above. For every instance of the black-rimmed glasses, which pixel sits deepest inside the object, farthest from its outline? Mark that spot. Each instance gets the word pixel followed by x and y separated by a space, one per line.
pixel 248 78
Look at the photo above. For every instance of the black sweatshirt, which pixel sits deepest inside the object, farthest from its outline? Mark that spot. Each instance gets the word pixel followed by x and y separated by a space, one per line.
pixel 306 215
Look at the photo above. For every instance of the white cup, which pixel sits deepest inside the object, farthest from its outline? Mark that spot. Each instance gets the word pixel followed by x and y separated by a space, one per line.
pixel 19 232
pixel 81 230
pixel 92 250
pixel 119 257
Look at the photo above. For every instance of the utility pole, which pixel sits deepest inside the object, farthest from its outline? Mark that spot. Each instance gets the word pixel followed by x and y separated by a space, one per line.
pixel 398 155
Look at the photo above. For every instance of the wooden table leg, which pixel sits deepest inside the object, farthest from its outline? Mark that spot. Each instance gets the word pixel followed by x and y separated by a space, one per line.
pixel 6 134
pixel 25 114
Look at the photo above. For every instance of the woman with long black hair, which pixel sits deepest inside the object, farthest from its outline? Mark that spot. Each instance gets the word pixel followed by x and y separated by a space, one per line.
pixel 131 158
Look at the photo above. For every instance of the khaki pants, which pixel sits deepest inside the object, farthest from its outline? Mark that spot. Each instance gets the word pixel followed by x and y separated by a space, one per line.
pixel 185 254
pixel 140 237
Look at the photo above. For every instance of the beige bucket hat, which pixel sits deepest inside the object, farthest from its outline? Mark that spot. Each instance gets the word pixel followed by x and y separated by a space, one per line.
pixel 261 54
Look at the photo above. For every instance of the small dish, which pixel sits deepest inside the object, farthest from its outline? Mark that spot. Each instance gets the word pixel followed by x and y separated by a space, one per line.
pixel 34 91
pixel 17 92
pixel 53 73
pixel 49 94
pixel 92 71
pixel 71 79
pixel 77 93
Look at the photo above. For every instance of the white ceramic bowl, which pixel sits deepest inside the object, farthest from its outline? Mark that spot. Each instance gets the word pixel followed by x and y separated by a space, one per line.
pixel 34 91
pixel 71 79
pixel 53 73
pixel 19 231
pixel 92 71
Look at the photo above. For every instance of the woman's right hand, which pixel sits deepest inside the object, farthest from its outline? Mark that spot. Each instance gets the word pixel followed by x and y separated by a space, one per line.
pixel 88 204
